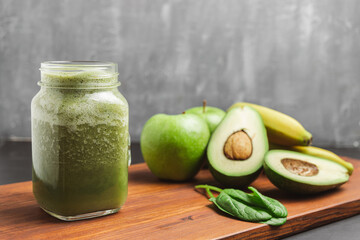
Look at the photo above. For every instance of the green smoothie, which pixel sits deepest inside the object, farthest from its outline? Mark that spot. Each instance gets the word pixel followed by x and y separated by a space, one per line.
pixel 80 143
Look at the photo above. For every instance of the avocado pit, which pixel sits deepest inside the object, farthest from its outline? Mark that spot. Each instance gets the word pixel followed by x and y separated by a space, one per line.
pixel 238 146
pixel 299 167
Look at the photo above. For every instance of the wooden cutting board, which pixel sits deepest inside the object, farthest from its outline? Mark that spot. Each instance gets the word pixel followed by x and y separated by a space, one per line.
pixel 161 210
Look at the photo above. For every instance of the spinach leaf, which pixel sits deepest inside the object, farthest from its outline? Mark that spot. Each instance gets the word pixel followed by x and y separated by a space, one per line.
pixel 253 207
pixel 239 209
pixel 243 197
pixel 275 207
pixel 258 200
pixel 275 221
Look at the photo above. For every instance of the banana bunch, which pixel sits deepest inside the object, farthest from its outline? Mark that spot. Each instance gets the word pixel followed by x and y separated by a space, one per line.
pixel 285 132
pixel 281 128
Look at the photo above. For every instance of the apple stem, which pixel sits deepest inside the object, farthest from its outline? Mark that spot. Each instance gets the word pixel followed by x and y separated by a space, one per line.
pixel 204 105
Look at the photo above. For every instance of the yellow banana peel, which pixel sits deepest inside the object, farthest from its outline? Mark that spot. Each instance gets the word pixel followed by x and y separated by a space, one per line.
pixel 281 128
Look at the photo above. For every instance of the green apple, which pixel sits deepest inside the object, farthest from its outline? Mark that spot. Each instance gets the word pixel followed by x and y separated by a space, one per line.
pixel 211 115
pixel 173 146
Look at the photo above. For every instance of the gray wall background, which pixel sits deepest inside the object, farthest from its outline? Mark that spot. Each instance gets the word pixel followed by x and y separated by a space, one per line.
pixel 301 57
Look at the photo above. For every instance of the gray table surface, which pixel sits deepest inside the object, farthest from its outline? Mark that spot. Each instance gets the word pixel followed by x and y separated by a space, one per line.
pixel 15 166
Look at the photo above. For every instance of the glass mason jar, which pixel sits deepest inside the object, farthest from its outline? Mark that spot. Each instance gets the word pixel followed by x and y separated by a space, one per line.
pixel 80 140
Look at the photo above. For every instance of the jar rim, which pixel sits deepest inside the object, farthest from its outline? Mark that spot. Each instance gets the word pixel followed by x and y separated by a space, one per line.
pixel 78 73
pixel 78 65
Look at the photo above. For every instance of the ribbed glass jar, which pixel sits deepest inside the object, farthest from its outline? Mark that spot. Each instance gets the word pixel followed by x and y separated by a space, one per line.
pixel 80 140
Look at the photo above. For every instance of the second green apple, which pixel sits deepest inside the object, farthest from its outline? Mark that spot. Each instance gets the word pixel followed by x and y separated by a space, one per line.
pixel 212 115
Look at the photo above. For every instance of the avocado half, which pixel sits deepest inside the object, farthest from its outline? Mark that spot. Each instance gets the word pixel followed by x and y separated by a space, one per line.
pixel 303 174
pixel 237 148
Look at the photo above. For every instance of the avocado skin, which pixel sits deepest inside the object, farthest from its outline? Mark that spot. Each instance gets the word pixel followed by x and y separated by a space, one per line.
pixel 234 182
pixel 288 185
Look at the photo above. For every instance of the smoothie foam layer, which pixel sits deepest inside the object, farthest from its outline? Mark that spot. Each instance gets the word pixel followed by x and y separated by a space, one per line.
pixel 78 77
pixel 78 107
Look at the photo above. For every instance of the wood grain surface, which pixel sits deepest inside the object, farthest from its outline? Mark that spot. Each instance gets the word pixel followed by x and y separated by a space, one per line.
pixel 164 210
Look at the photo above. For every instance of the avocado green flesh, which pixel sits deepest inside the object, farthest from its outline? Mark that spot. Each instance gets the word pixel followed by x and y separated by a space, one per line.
pixel 238 172
pixel 329 176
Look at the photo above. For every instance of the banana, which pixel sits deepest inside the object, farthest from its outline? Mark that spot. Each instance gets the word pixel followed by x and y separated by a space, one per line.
pixel 281 128
pixel 317 152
